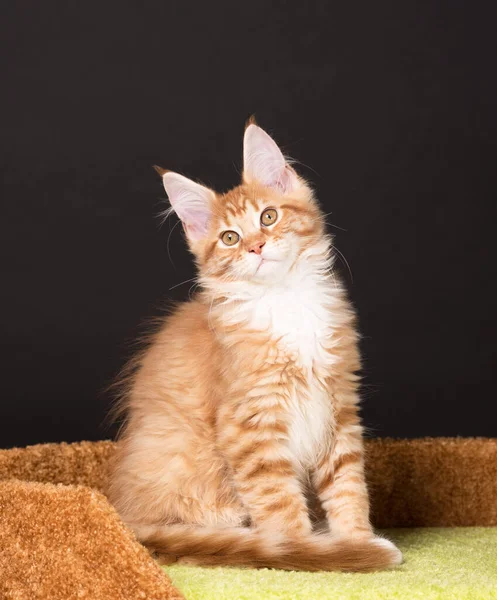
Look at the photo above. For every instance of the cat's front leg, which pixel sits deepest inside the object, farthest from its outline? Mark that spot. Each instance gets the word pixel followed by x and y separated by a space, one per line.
pixel 253 436
pixel 339 477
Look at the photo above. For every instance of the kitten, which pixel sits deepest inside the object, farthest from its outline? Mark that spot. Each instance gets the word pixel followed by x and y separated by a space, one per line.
pixel 248 392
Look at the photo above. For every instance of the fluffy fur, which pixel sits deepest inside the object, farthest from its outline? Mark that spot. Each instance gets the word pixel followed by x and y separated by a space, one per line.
pixel 247 397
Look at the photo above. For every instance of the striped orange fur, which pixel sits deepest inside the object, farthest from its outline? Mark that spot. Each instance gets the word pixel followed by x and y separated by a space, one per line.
pixel 247 395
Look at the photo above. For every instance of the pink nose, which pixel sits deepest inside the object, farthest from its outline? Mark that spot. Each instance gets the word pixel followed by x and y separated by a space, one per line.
pixel 257 247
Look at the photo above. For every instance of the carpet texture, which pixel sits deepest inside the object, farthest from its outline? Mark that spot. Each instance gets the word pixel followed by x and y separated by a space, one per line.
pixel 439 482
pixel 440 564
pixel 61 539
pixel 61 542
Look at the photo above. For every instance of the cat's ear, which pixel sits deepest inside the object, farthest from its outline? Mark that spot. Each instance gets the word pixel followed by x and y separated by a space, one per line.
pixel 191 201
pixel 264 162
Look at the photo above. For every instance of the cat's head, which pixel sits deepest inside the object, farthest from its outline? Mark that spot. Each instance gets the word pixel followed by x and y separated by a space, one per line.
pixel 256 232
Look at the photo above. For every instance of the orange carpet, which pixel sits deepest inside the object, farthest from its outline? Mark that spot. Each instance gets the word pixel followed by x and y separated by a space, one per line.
pixel 60 538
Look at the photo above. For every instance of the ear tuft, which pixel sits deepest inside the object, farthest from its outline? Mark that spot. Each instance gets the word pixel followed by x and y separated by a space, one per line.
pixel 264 162
pixel 160 170
pixel 191 201
pixel 250 121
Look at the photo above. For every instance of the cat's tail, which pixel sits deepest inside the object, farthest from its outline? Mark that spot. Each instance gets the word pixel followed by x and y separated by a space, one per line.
pixel 245 547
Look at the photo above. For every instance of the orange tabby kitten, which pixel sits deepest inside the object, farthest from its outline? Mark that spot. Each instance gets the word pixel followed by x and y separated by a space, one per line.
pixel 248 393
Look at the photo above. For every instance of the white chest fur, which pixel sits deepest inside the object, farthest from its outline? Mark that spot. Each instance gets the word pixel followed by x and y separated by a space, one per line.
pixel 300 317
pixel 310 421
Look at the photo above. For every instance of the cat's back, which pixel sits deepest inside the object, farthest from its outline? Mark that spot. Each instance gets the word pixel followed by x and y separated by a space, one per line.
pixel 180 360
pixel 169 409
pixel 186 326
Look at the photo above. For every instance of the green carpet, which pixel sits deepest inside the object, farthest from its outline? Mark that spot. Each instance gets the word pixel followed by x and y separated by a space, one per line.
pixel 458 563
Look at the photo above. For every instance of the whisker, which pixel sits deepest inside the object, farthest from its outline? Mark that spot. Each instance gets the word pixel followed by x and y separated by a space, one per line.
pixel 168 240
pixel 344 260
pixel 209 320
pixel 292 161
pixel 192 287
pixel 181 283
pixel 335 226
pixel 330 223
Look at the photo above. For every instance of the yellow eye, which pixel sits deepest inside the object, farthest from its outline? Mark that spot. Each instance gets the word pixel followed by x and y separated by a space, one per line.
pixel 268 217
pixel 230 238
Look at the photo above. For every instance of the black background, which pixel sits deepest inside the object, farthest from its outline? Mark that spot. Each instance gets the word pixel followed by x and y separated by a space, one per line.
pixel 392 104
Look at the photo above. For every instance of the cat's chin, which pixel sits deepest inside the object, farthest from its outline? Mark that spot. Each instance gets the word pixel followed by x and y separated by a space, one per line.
pixel 266 268
pixel 265 262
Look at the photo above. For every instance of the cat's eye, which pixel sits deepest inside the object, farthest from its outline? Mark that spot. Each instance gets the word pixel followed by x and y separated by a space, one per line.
pixel 269 217
pixel 230 238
